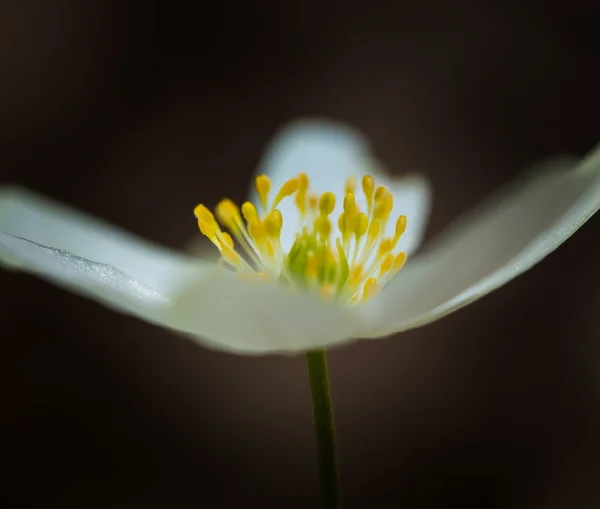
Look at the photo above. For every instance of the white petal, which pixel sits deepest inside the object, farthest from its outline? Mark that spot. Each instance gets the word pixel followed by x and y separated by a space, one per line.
pixel 26 214
pixel 412 198
pixel 329 153
pixel 494 244
pixel 215 307
pixel 261 317
pixel 96 280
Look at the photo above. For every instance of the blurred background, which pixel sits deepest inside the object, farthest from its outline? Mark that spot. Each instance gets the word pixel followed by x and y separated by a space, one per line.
pixel 136 111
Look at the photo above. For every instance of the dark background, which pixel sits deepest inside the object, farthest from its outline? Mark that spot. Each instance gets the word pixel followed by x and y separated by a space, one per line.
pixel 136 111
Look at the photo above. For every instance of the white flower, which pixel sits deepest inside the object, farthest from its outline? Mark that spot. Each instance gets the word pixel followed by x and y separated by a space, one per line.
pixel 294 291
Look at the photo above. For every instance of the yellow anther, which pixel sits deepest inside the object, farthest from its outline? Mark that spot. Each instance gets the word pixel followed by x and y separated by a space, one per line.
pixel 356 273
pixel 249 212
pixel 386 265
pixel 226 240
pixel 399 262
pixel 371 289
pixel 262 183
pixel 374 230
pixel 207 223
pixel 229 214
pixel 303 182
pixel 342 224
pixel 385 247
pixel 400 228
pixel 287 189
pixel 230 255
pixel 362 224
pixel 383 205
pixel 313 202
pixel 201 212
pixel 323 227
pixel 368 186
pixel 350 185
pixel 257 231
pixel 300 200
pixel 380 192
pixel 209 229
pixel 349 203
pixel 300 197
pixel 273 224
pixel 327 203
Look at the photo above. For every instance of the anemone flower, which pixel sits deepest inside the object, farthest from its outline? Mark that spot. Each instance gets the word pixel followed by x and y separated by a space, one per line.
pixel 320 255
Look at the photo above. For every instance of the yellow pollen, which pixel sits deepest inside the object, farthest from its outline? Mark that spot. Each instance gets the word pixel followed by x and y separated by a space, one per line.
pixel 349 203
pixel 301 198
pixel 356 273
pixel 273 224
pixel 327 203
pixel 399 262
pixel 362 224
pixel 313 202
pixel 263 186
pixel 249 212
pixel 226 240
pixel 228 214
pixel 323 227
pixel 257 231
pixel 347 260
pixel 303 182
pixel 371 289
pixel 374 230
pixel 385 247
pixel 287 189
pixel 400 228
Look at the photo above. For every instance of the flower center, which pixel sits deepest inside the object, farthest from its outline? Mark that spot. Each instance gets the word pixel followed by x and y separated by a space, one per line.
pixel 349 260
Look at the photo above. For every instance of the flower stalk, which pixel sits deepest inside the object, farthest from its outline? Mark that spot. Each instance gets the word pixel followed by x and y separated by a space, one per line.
pixel 324 428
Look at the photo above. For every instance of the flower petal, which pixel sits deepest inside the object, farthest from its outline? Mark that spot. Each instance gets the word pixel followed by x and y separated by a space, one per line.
pixel 329 153
pixel 96 280
pixel 256 316
pixel 28 215
pixel 494 244
pixel 412 198
pixel 215 307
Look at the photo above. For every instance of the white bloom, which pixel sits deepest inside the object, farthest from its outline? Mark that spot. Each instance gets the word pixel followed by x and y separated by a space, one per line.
pixel 294 290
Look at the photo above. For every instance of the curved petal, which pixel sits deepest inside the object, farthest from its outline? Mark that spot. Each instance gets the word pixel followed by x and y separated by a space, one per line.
pixel 28 215
pixel 329 153
pixel 216 308
pixel 494 244
pixel 255 316
pixel 96 280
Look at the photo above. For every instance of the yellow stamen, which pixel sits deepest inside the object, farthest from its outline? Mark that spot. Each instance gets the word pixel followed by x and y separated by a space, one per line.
pixel 229 214
pixel 263 186
pixel 386 265
pixel 371 289
pixel 287 189
pixel 350 263
pixel 327 203
pixel 249 212
pixel 400 228
pixel 301 195
pixel 368 185
pixel 273 224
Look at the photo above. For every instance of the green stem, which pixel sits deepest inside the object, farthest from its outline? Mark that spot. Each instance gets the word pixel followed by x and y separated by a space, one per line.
pixel 328 467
